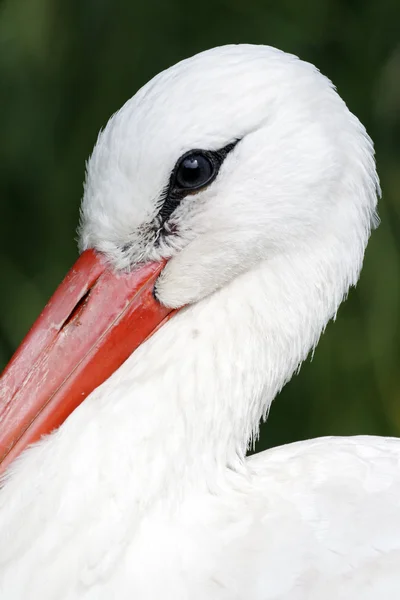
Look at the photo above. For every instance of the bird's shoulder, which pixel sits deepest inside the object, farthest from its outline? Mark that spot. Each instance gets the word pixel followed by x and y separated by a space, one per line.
pixel 326 512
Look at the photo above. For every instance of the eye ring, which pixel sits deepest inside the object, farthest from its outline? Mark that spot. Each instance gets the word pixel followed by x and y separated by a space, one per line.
pixel 195 170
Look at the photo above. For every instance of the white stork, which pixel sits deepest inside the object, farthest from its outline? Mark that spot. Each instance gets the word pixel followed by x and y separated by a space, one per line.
pixel 238 189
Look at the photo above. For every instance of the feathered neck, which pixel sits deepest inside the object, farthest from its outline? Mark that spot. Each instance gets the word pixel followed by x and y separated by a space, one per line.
pixel 186 404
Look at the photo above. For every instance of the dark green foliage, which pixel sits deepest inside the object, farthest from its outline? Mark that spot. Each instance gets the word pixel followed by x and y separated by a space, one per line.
pixel 65 67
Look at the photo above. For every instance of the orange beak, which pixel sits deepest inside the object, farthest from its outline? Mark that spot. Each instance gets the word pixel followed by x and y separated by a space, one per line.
pixel 90 326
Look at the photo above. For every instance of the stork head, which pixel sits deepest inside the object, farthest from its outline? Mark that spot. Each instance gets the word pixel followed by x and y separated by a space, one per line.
pixel 239 156
pixel 231 157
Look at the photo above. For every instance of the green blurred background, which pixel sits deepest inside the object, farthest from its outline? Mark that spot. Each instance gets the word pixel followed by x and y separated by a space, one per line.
pixel 65 67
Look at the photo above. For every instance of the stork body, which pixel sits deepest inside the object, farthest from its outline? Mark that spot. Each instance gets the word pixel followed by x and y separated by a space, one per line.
pixel 145 491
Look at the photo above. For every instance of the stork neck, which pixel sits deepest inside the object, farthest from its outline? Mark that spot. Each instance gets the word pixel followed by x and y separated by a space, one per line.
pixel 190 399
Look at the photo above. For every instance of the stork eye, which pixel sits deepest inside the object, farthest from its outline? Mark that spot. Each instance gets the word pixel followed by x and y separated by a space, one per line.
pixel 194 171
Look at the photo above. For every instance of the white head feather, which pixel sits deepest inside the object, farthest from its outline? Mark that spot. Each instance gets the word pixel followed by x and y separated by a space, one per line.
pixel 302 174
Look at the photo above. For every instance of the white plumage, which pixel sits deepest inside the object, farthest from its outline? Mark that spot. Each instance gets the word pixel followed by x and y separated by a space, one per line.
pixel 145 491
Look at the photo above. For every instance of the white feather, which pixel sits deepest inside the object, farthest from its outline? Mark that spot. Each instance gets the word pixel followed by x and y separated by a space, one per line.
pixel 145 491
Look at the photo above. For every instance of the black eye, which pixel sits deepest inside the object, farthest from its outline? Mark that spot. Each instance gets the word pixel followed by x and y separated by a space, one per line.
pixel 194 171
